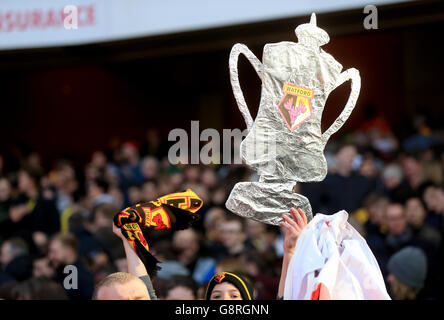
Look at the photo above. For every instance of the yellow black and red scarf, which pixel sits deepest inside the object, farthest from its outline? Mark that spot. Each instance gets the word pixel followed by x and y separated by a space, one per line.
pixel 174 211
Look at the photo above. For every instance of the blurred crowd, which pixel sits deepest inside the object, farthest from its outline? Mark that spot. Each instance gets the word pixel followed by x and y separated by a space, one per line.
pixel 60 215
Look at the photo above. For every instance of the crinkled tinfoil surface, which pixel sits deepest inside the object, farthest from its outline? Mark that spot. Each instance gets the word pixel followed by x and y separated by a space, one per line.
pixel 283 154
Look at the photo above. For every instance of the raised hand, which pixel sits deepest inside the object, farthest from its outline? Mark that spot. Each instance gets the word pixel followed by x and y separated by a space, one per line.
pixel 293 228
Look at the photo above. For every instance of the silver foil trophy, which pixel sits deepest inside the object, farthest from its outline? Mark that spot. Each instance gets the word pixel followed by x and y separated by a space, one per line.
pixel 284 143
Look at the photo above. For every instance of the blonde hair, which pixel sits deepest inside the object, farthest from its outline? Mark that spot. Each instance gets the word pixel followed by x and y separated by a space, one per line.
pixel 402 291
pixel 114 278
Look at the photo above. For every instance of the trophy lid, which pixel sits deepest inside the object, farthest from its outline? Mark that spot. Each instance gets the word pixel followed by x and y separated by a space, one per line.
pixel 310 35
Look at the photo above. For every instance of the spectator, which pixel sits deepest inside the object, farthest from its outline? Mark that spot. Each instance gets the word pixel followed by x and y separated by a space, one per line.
pixel 5 204
pixel 394 185
pixel 259 270
pixel 433 197
pixel 39 289
pixel 344 189
pixel 181 288
pixel 64 180
pixel 90 249
pixel 98 193
pixel 121 286
pixel 42 268
pixel 372 217
pixel 6 289
pixel 192 255
pixel 416 214
pixel 15 259
pixel 149 191
pixel 399 232
pixel 256 235
pixel 212 224
pixel 234 264
pixel 233 236
pixel 150 168
pixel 164 252
pixel 32 212
pixel 130 168
pixel 63 251
pixel 134 194
pixel 102 217
pixel 408 269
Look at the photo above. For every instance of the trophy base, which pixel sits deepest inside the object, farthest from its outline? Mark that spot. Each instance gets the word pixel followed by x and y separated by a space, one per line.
pixel 266 202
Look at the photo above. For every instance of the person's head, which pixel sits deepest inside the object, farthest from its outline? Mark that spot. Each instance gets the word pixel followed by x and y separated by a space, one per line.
pixel 99 159
pixel 40 288
pixel 130 151
pixel 411 166
pixel 368 166
pixel 344 159
pixel 150 167
pixel 433 197
pixel 407 272
pixel 213 220
pixel 121 286
pixel 62 249
pixel 103 214
pixel 28 180
pixel 97 187
pixel 255 263
pixel 192 173
pixel 392 176
pixel 41 267
pixel 233 233
pixel 5 189
pixel 134 194
pixel 187 244
pixel 395 218
pixel 229 286
pixel 181 288
pixel 254 229
pixel 415 212
pixel 11 249
pixel 149 191
pixel 376 204
pixel 208 177
pixel 231 263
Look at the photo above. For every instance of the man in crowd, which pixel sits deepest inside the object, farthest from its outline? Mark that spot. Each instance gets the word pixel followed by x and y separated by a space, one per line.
pixel 15 259
pixel 343 188
pixel 63 251
pixel 233 236
pixel 121 286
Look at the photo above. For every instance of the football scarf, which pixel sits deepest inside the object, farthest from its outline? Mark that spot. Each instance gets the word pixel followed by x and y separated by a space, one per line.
pixel 174 211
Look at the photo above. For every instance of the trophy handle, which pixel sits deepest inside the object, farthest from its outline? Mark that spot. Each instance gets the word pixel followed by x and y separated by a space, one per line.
pixel 237 49
pixel 353 75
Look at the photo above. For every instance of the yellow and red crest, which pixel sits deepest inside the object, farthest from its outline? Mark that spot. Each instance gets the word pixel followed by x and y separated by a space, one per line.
pixel 159 218
pixel 295 106
pixel 219 277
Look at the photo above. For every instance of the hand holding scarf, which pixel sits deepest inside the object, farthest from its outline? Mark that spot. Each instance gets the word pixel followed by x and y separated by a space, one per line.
pixel 175 211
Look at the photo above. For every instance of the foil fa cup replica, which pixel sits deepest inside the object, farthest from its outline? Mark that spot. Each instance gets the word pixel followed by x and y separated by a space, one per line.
pixel 284 143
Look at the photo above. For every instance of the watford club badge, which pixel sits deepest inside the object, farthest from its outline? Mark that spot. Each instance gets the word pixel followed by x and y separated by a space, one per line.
pixel 295 106
pixel 220 277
